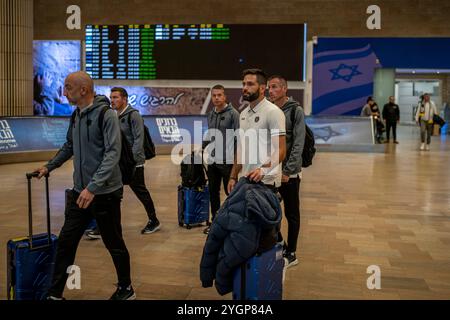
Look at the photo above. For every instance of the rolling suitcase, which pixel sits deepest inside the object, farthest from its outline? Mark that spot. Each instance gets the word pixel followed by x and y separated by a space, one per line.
pixel 193 206
pixel 260 277
pixel 30 260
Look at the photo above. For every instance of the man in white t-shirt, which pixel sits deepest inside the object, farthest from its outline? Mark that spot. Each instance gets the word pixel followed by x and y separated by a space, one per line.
pixel 262 138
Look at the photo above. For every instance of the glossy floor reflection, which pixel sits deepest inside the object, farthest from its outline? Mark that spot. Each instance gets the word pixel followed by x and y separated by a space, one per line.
pixel 389 210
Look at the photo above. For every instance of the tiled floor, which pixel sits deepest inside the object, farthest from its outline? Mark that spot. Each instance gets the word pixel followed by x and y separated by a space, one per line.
pixel 358 209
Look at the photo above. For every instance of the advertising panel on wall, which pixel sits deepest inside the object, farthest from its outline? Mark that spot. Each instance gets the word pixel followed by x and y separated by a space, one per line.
pixel 163 101
pixel 181 101
pixel 49 133
pixel 341 130
pixel 52 62
pixel 344 68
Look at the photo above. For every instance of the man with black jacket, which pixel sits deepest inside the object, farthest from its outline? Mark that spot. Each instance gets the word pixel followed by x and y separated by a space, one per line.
pixel 98 188
pixel 223 117
pixel 391 116
pixel 292 164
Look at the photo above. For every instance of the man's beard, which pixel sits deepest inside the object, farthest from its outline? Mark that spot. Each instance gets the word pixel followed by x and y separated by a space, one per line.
pixel 251 97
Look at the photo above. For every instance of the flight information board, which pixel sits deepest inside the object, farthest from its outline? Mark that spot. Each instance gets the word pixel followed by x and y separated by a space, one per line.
pixel 194 52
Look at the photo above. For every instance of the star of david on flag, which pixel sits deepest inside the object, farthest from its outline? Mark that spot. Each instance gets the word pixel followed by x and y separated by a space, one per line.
pixel 341 72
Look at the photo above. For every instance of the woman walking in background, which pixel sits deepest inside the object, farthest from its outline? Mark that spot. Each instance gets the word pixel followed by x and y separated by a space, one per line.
pixel 424 118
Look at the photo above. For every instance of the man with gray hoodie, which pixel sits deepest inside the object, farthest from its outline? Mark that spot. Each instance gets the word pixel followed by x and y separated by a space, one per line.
pixel 221 149
pixel 292 164
pixel 132 125
pixel 97 190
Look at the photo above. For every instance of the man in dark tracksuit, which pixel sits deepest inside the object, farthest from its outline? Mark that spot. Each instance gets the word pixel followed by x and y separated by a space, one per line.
pixel 292 164
pixel 132 125
pixel 391 116
pixel 98 188
pixel 220 149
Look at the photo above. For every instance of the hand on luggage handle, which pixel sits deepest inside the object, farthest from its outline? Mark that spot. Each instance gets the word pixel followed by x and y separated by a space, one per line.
pixel 36 173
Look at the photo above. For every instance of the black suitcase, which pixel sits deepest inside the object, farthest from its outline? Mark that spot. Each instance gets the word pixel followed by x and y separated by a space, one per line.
pixel 30 260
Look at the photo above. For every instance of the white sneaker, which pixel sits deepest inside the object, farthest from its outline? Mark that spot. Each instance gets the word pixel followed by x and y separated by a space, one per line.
pixel 427 147
pixel 422 146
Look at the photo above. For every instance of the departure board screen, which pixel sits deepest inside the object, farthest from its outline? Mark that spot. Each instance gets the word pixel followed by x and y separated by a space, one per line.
pixel 194 52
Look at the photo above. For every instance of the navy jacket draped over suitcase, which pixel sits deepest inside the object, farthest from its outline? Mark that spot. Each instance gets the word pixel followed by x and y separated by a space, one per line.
pixel 249 217
pixel 30 260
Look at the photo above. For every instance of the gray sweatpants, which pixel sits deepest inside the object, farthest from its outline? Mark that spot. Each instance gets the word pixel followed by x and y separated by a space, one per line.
pixel 427 128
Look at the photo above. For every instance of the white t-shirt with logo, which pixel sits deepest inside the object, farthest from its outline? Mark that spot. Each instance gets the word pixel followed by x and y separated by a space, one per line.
pixel 257 127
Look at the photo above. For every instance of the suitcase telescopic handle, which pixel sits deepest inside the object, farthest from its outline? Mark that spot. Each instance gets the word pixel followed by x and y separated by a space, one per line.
pixel 30 209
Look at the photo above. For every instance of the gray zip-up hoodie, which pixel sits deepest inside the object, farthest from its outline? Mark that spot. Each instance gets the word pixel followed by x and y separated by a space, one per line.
pixel 95 154
pixel 295 137
pixel 132 125
pixel 228 118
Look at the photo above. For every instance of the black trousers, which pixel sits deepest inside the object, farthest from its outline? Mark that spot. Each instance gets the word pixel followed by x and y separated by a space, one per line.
pixel 106 210
pixel 142 193
pixel 290 192
pixel 379 129
pixel 217 173
pixel 393 125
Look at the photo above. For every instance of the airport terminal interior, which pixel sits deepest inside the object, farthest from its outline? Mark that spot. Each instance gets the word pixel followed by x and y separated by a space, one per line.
pixel 357 210
pixel 374 211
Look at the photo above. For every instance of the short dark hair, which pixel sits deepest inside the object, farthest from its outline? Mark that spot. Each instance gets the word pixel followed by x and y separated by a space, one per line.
pixel 281 78
pixel 218 87
pixel 261 77
pixel 121 90
pixel 369 99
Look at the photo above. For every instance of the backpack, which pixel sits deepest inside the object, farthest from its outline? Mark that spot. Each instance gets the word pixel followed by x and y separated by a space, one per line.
pixel 126 163
pixel 149 146
pixel 308 148
pixel 192 174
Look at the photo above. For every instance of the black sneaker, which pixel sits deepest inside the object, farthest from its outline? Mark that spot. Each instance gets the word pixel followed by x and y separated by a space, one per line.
pixel 207 229
pixel 93 234
pixel 291 259
pixel 152 226
pixel 124 294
